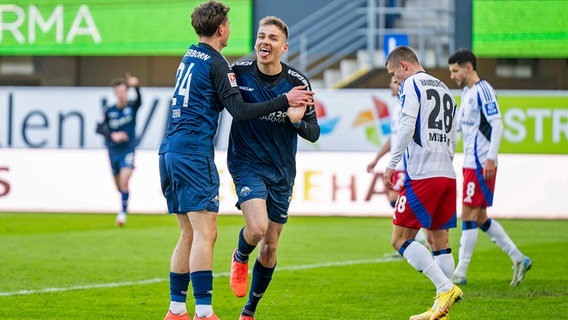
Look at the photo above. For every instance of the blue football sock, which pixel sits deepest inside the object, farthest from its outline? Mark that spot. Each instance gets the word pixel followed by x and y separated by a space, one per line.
pixel 202 283
pixel 125 196
pixel 261 277
pixel 179 282
pixel 243 249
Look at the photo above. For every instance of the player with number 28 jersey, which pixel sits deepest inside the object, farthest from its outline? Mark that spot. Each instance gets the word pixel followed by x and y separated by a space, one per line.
pixel 429 102
pixel 426 142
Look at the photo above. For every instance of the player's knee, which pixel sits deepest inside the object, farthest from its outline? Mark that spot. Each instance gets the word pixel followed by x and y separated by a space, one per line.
pixel 256 233
pixel 207 236
pixel 268 251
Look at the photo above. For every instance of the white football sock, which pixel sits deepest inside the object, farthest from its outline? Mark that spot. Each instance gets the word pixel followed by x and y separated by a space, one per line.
pixel 467 244
pixel 420 259
pixel 177 307
pixel 446 263
pixel 203 310
pixel 500 237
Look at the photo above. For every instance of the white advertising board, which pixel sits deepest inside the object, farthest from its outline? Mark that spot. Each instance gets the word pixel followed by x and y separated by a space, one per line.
pixel 65 117
pixel 350 119
pixel 327 183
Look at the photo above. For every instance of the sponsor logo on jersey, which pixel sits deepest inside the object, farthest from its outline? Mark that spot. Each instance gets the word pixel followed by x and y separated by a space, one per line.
pixel 491 108
pixel 243 88
pixel 232 79
pixel 276 117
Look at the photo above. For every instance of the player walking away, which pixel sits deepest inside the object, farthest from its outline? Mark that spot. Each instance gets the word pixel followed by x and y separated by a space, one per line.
pixel 119 130
pixel 261 158
pixel 425 141
pixel 205 84
pixel 482 129
pixel 400 171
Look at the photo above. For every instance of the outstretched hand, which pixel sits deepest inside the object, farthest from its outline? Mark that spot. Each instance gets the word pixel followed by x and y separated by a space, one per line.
pixel 131 80
pixel 300 97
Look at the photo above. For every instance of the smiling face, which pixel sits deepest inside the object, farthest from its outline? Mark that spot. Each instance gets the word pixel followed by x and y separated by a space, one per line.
pixel 270 44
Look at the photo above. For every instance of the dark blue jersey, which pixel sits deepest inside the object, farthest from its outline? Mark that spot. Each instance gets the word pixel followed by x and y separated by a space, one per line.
pixel 205 84
pixel 123 119
pixel 203 79
pixel 267 145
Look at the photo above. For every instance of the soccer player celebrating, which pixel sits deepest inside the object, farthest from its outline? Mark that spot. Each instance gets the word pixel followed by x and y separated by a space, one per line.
pixel 119 130
pixel 261 158
pixel 205 84
pixel 425 141
pixel 482 129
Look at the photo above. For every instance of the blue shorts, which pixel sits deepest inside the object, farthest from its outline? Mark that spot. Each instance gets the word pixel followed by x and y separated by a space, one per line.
pixel 278 195
pixel 121 159
pixel 189 182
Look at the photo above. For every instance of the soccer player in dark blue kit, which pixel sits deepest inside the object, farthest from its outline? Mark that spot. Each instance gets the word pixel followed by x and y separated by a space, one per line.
pixel 262 159
pixel 205 84
pixel 118 128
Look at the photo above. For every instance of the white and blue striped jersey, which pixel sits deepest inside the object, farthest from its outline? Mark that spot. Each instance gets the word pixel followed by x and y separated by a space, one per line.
pixel 426 137
pixel 480 123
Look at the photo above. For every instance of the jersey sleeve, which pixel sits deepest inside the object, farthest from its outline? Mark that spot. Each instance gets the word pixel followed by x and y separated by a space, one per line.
pixel 410 106
pixel 490 109
pixel 309 128
pixel 103 128
pixel 138 102
pixel 224 79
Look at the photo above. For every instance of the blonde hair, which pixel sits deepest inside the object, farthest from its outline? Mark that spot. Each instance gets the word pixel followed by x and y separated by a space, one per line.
pixel 272 20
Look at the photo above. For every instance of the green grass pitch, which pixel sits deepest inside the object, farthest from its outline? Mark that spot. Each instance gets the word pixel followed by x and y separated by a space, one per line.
pixel 79 266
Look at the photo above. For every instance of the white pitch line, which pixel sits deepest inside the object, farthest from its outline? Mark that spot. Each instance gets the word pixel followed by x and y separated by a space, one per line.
pixel 219 274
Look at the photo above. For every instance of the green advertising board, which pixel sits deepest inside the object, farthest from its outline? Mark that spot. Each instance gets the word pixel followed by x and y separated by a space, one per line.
pixel 117 27
pixel 520 29
pixel 535 122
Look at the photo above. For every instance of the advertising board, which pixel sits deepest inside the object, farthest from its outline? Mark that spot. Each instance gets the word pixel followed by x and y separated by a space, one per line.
pixel 119 27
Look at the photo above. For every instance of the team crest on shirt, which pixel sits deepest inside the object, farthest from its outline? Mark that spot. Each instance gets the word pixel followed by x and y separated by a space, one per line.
pixel 491 108
pixel 245 191
pixel 232 79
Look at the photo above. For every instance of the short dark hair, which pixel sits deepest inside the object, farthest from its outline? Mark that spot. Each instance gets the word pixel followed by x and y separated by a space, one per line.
pixel 208 16
pixel 118 82
pixel 463 56
pixel 401 53
pixel 272 20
